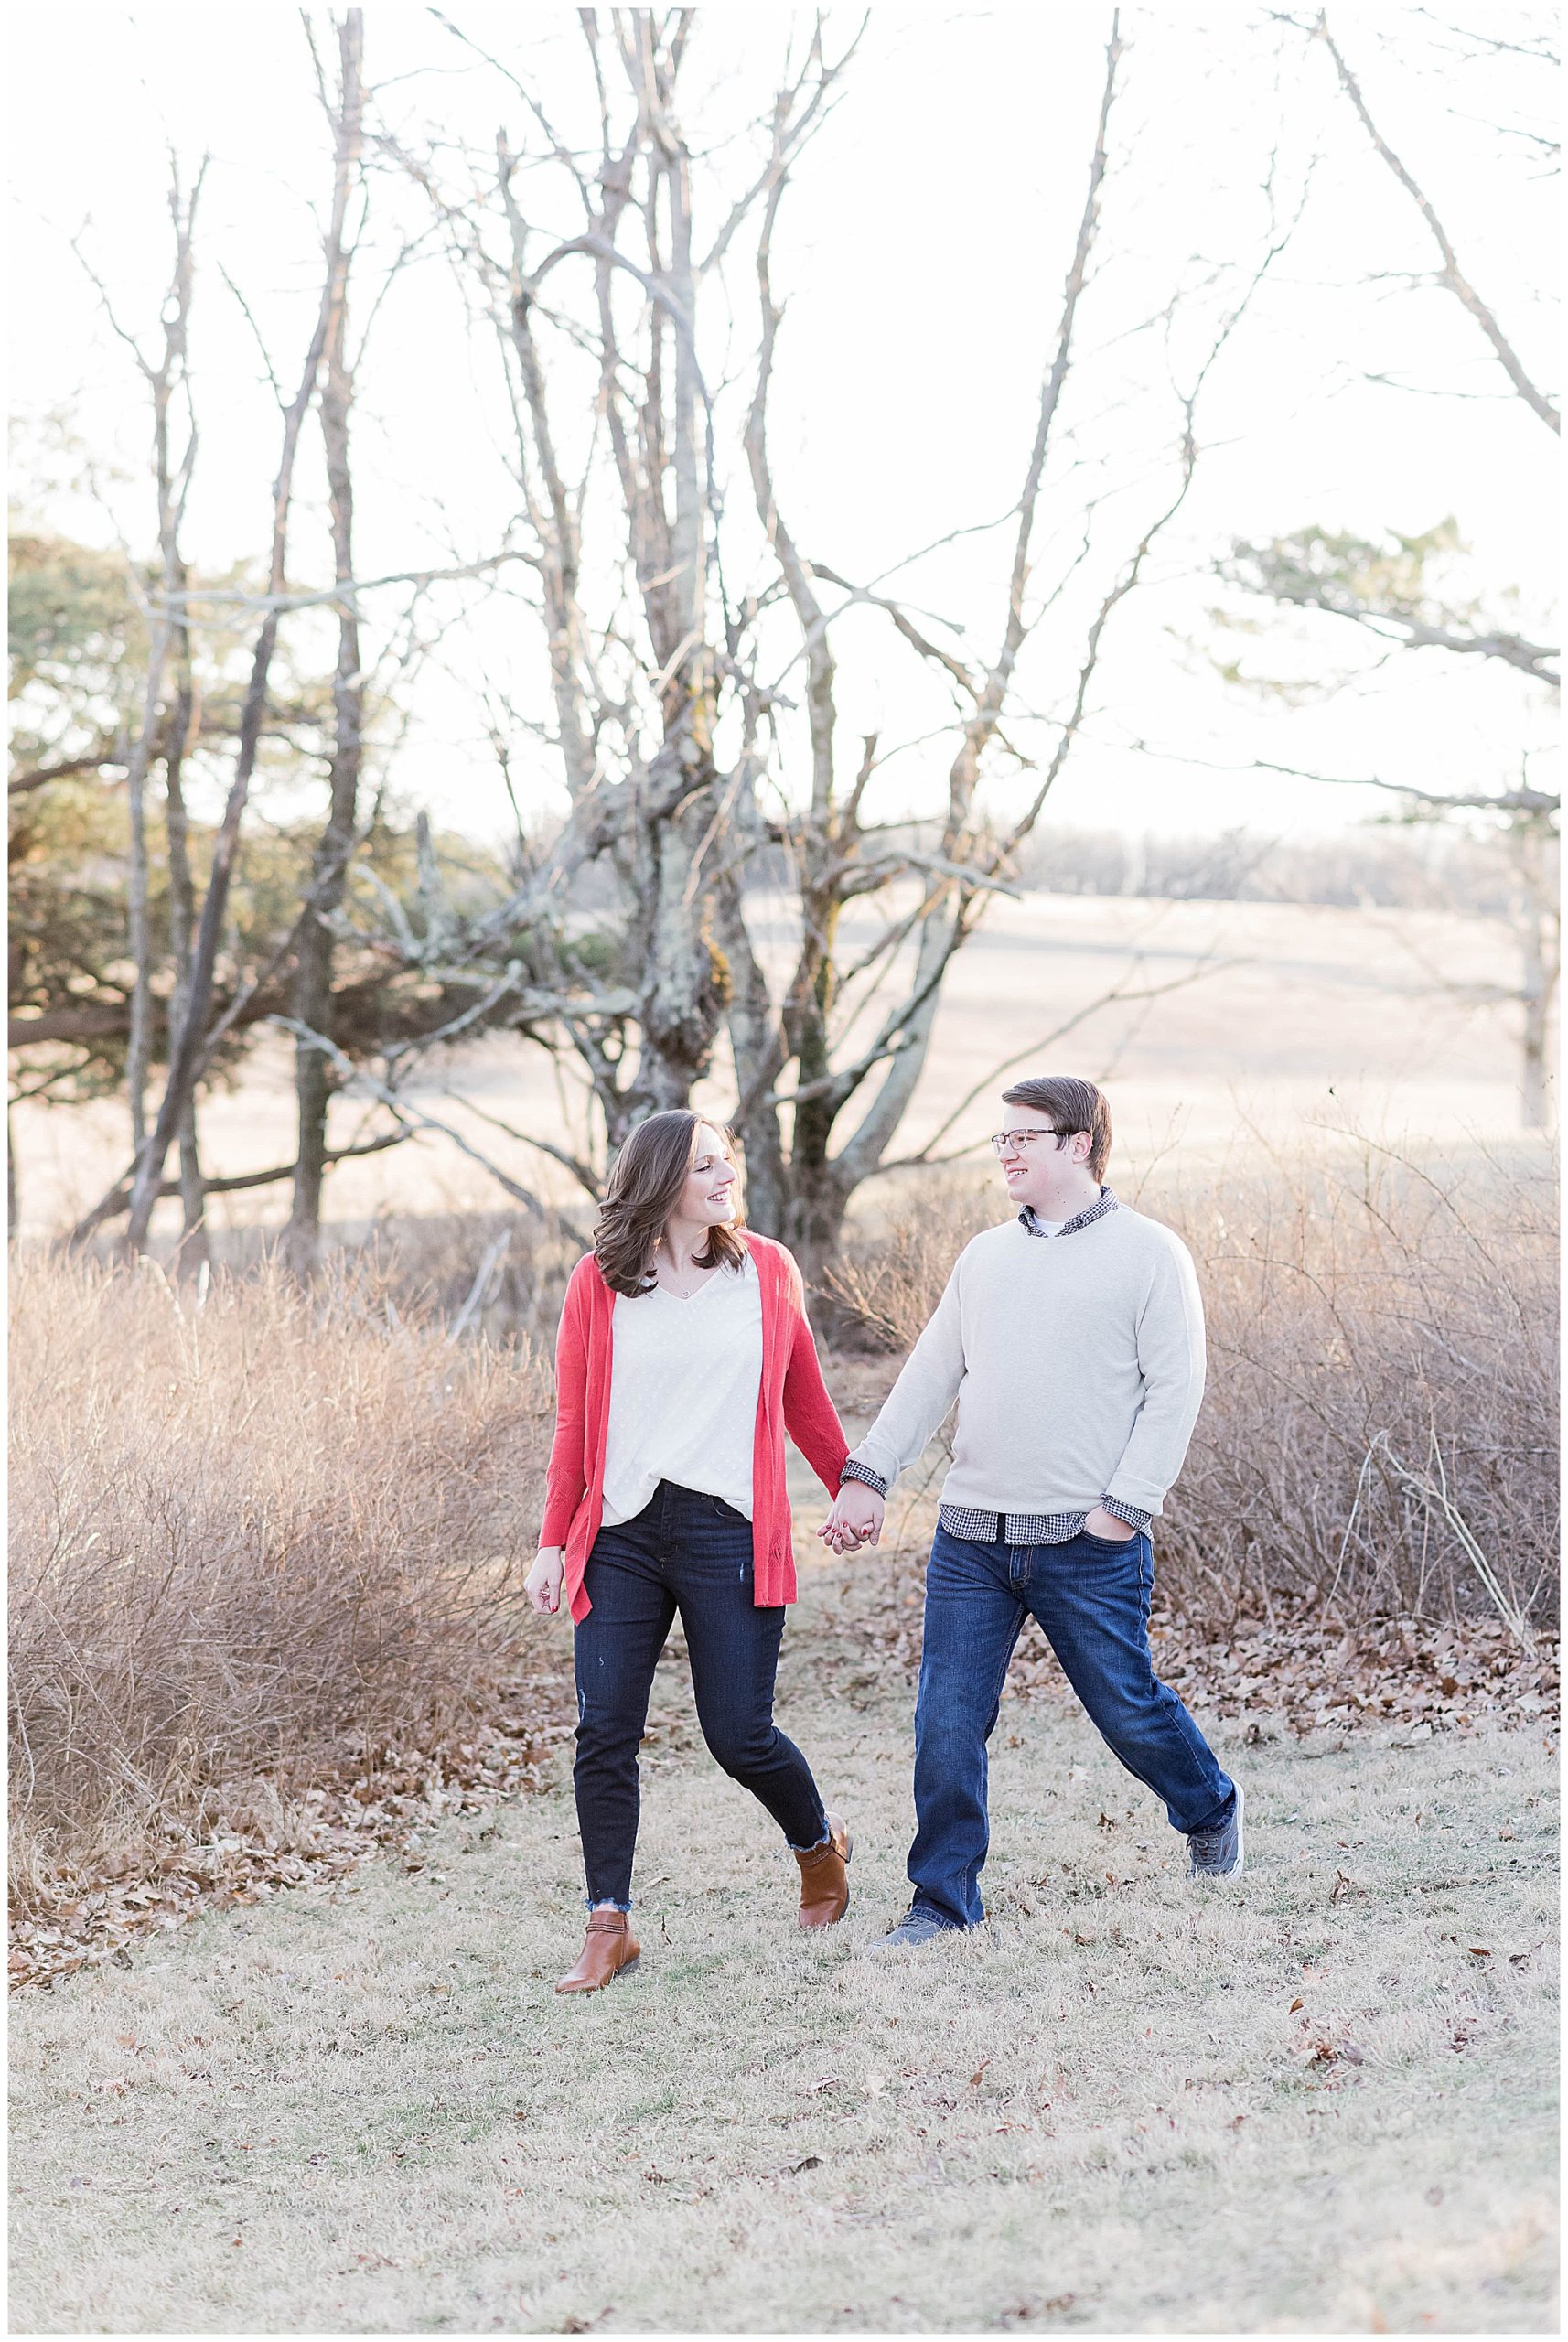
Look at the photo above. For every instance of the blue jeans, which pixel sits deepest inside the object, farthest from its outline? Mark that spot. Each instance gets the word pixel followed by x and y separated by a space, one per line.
pixel 689 1553
pixel 1090 1597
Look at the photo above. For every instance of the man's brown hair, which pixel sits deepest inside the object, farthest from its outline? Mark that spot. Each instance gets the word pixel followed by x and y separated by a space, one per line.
pixel 645 1185
pixel 1072 1105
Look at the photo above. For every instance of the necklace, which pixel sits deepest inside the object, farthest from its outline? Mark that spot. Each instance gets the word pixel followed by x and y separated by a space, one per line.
pixel 676 1280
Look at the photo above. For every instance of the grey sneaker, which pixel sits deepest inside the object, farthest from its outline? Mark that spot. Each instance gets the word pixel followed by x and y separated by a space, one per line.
pixel 1222 1852
pixel 917 1926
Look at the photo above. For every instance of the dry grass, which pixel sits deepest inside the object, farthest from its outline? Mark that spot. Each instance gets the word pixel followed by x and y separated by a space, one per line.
pixel 499 1274
pixel 247 1525
pixel 1379 1430
pixel 1132 2108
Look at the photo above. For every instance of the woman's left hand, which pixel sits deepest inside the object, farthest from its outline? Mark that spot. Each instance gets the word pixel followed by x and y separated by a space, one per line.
pixel 542 1583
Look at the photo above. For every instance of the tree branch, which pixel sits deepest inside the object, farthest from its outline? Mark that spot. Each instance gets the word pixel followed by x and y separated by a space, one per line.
pixel 119 1201
pixel 1454 276
pixel 352 1074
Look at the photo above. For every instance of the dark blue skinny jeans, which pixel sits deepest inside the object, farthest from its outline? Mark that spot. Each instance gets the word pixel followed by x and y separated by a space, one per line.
pixel 1090 1597
pixel 690 1553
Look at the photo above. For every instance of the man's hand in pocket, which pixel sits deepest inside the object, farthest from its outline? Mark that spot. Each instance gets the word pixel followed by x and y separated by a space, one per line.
pixel 1098 1523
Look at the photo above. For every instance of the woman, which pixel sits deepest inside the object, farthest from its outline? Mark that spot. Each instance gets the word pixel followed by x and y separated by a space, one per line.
pixel 684 1356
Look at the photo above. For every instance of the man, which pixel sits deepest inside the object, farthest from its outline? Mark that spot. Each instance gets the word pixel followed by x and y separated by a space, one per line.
pixel 1072 1338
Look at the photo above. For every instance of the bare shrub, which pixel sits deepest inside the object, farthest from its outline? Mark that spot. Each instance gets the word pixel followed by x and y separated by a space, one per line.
pixel 888 1278
pixel 430 1264
pixel 1379 1431
pixel 244 1528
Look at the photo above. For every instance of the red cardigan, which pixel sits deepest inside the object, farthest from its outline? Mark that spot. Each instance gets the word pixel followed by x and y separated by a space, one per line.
pixel 793 1398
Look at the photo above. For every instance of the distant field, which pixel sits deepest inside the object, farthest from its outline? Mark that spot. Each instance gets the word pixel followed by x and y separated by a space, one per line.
pixel 1293 1012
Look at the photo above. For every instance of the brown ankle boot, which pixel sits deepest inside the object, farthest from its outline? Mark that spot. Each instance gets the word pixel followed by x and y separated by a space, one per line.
pixel 609 1949
pixel 824 1884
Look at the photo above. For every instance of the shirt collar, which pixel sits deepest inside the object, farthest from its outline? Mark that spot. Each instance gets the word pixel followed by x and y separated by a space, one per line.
pixel 1104 1202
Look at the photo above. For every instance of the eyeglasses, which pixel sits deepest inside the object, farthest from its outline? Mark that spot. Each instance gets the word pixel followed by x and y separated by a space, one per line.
pixel 1020 1142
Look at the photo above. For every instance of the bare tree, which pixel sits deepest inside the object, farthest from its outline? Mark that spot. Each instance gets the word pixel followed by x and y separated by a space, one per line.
pixel 1451 276
pixel 180 724
pixel 637 723
pixel 192 1043
pixel 1396 594
pixel 313 965
pixel 168 381
pixel 807 1186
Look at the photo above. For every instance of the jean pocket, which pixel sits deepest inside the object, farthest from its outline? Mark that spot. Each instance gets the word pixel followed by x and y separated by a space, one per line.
pixel 1113 1544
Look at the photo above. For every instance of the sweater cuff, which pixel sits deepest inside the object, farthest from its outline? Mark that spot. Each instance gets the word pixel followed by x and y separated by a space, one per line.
pixel 1130 1513
pixel 862 1472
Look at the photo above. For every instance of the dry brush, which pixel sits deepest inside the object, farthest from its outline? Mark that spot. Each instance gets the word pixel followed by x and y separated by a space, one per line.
pixel 247 1533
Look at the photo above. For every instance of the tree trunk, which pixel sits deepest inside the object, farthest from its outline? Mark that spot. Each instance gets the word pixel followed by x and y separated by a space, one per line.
pixel 759 1049
pixel 1537 993
pixel 186 1063
pixel 684 979
pixel 813 1221
pixel 313 977
pixel 138 933
pixel 1533 1090
pixel 1540 937
pixel 193 1245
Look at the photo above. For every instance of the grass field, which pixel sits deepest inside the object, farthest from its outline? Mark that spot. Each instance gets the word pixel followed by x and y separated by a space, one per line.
pixel 1294 1011
pixel 1320 2100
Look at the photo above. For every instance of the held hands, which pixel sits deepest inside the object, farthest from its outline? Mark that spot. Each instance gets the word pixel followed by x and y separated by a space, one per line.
pixel 542 1583
pixel 855 1519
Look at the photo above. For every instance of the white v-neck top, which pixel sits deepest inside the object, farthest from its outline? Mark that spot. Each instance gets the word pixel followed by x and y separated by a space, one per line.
pixel 685 1376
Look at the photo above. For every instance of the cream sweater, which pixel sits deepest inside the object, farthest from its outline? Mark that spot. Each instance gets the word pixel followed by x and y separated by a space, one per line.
pixel 1077 1363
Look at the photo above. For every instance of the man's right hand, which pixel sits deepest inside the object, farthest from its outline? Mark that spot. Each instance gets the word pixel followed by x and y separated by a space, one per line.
pixel 855 1519
pixel 542 1583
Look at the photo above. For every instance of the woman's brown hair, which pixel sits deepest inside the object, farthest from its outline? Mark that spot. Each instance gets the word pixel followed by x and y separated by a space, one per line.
pixel 645 1185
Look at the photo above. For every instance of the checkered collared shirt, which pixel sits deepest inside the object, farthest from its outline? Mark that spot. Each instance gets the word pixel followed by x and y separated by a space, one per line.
pixel 1024 1527
pixel 1105 1201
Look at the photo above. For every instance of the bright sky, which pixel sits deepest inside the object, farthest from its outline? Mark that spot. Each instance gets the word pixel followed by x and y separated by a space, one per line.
pixel 922 251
